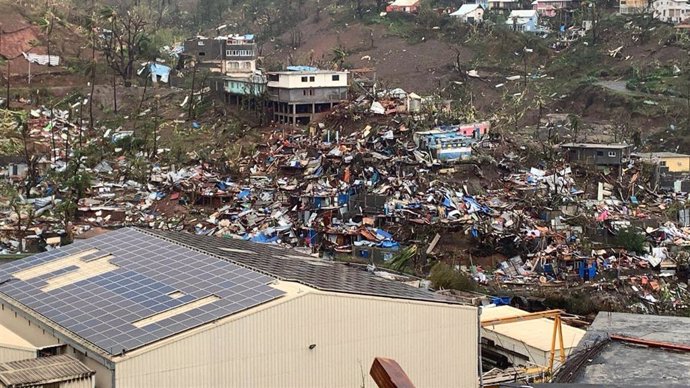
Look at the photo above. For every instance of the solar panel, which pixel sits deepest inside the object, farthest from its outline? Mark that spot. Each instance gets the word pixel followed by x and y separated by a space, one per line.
pixel 102 308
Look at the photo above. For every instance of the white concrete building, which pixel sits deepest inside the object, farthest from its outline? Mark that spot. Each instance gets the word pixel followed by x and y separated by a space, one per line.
pixel 469 13
pixel 165 309
pixel 301 92
pixel 671 11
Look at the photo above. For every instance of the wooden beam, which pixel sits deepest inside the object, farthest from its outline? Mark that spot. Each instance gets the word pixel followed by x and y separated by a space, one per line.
pixel 387 373
pixel 650 343
pixel 525 317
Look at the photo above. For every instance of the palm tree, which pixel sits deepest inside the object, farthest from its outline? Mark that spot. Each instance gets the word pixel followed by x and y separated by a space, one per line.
pixel 339 55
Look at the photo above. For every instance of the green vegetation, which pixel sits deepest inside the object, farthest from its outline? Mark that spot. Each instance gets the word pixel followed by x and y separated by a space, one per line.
pixel 444 276
pixel 631 240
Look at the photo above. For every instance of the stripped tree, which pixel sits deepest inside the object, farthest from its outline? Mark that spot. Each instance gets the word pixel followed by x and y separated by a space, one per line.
pixel 123 42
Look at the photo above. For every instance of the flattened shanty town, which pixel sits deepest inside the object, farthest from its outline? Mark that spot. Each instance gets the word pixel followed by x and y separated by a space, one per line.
pixel 344 193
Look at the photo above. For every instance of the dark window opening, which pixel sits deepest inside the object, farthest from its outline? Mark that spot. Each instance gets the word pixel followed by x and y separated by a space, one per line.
pixel 304 79
pixel 336 78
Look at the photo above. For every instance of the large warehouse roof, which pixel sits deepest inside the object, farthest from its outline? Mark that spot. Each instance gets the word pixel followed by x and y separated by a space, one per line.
pixel 127 288
pixel 132 287
pixel 289 265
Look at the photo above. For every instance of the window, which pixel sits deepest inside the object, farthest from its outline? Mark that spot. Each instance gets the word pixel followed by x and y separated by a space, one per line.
pixel 335 78
pixel 304 79
pixel 612 154
pixel 239 53
pixel 273 77
pixel 200 43
pixel 201 53
pixel 662 163
pixel 600 153
pixel 312 79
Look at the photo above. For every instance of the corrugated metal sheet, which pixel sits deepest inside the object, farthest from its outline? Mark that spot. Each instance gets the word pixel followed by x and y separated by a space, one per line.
pixel 8 354
pixel 79 383
pixel 436 344
pixel 43 370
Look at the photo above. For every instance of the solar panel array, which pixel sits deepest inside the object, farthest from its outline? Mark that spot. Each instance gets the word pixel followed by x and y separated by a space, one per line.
pixel 290 265
pixel 103 308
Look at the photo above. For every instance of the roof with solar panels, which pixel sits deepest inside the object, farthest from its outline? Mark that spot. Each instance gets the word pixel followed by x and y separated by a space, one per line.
pixel 131 287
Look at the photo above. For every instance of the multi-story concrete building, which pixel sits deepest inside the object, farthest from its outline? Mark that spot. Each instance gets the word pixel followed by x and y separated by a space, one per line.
pixel 626 7
pixel 233 58
pixel 301 92
pixel 228 55
pixel 671 11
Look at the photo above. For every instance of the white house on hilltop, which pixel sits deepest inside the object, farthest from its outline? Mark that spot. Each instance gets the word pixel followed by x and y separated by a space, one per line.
pixel 523 20
pixel 469 13
pixel 671 11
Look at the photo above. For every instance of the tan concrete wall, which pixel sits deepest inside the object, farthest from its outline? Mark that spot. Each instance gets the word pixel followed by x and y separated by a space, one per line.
pixel 8 354
pixel 436 344
pixel 81 383
pixel 22 327
pixel 41 338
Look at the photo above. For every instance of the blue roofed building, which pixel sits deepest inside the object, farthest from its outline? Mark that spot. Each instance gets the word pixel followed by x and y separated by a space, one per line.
pixel 167 309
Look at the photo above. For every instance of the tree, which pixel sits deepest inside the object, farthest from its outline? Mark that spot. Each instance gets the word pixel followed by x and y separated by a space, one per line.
pixel 47 24
pixel 339 56
pixel 15 139
pixel 72 183
pixel 126 39
pixel 359 8
pixel 380 5
pixel 13 199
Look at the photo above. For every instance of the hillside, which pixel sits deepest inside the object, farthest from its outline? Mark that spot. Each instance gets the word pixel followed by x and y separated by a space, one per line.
pixel 644 81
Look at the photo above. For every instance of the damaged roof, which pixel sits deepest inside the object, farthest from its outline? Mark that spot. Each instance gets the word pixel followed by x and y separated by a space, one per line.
pixel 290 265
pixel 595 146
pixel 126 289
pixel 44 370
pixel 632 365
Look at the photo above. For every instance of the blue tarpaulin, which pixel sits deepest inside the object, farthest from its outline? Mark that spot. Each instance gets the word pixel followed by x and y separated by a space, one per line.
pixel 302 68
pixel 158 70
pixel 382 234
pixel 244 194
pixel 263 239
pixel 343 199
pixel 473 206
pixel 389 244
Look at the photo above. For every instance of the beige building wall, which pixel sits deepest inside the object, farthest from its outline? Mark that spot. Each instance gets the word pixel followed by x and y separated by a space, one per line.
pixel 676 164
pixel 80 383
pixel 13 320
pixel 9 354
pixel 436 344
pixel 41 338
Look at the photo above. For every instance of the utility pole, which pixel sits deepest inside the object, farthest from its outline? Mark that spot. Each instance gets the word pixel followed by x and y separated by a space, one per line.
pixel 7 96
pixel 191 93
pixel 155 128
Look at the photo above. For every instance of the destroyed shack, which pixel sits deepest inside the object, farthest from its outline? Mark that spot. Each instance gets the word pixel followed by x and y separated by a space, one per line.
pixel 596 154
pixel 670 170
pixel 450 143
